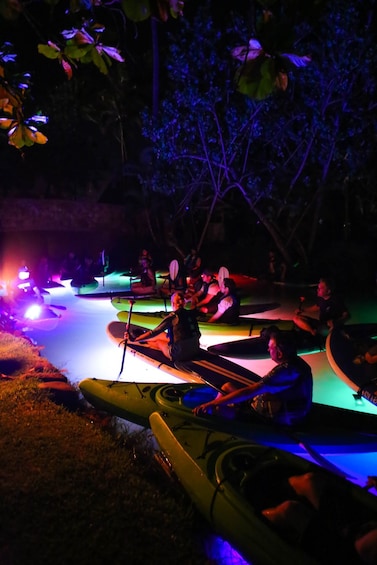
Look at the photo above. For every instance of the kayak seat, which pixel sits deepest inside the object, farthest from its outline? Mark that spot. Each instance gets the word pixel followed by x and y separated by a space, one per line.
pixel 267 484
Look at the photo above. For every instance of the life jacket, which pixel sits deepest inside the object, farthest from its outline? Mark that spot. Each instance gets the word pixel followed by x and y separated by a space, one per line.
pixel 184 326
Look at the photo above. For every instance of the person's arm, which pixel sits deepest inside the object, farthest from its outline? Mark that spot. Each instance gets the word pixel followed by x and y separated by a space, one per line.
pixel 222 307
pixel 340 320
pixel 197 295
pixel 371 357
pixel 162 326
pixel 274 382
pixel 37 293
pixel 216 315
pixel 234 397
pixel 312 309
pixel 205 300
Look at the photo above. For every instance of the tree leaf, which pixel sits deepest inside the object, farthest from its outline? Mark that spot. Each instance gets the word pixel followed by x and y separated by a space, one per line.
pixel 136 10
pixel 73 51
pixel 99 62
pixel 67 67
pixel 82 37
pixel 296 60
pixel 113 53
pixel 176 7
pixel 35 136
pixel 50 51
pixel 249 52
pixel 15 137
pixel 6 123
pixel 282 81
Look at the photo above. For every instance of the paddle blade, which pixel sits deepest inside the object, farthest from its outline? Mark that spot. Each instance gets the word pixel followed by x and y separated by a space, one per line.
pixel 173 269
pixel 222 274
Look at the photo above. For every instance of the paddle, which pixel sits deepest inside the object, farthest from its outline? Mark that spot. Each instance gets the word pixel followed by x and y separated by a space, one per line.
pixel 222 274
pixel 57 306
pixel 318 458
pixel 103 263
pixel 132 302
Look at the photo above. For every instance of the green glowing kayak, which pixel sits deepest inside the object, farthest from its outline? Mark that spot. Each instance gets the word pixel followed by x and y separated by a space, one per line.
pixel 245 327
pixel 231 481
pixel 162 303
pixel 328 430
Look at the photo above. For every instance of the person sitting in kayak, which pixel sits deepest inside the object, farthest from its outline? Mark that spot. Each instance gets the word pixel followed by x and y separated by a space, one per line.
pixel 283 396
pixel 370 356
pixel 329 307
pixel 209 288
pixel 228 304
pixel 318 518
pixel 147 281
pixel 210 302
pixel 369 361
pixel 177 336
pixel 23 290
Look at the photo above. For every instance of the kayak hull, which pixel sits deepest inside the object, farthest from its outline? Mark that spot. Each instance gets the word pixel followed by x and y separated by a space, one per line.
pixel 256 348
pixel 231 481
pixel 207 367
pixel 329 430
pixel 245 327
pixel 342 349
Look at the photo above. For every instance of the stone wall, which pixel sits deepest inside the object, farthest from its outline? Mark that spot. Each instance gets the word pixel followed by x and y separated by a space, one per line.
pixel 31 228
pixel 60 215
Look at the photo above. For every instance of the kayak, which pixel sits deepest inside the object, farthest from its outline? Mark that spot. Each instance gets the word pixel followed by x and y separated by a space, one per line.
pixel 121 302
pixel 342 350
pixel 35 316
pixel 206 368
pixel 112 285
pixel 86 287
pixel 124 295
pixel 328 429
pixel 156 302
pixel 256 347
pixel 244 327
pixel 231 481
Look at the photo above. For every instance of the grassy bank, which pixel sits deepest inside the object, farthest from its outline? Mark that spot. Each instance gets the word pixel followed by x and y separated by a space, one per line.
pixel 74 491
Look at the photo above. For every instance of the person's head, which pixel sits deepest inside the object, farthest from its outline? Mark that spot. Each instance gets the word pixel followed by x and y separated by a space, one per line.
pixel 281 347
pixel 324 288
pixel 177 300
pixel 228 286
pixel 207 275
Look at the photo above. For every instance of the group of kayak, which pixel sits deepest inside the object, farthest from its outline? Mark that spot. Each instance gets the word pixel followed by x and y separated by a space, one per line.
pixel 237 472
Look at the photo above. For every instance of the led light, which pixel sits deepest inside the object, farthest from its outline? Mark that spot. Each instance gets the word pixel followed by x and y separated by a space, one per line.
pixel 33 312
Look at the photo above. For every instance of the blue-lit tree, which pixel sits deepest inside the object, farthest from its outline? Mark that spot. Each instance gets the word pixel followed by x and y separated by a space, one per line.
pixel 277 156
